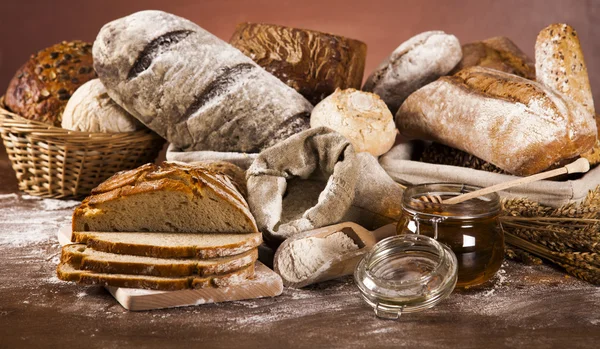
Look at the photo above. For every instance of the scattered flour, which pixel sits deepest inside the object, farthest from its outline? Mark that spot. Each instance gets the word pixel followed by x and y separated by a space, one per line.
pixel 305 256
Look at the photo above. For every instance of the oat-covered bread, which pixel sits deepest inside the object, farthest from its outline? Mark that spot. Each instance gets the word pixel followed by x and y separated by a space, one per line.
pixel 313 63
pixel 90 109
pixel 498 53
pixel 41 88
pixel 415 63
pixel 165 198
pixel 192 88
pixel 519 125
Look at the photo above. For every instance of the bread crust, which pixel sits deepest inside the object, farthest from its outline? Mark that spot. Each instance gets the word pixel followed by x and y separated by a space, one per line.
pixel 41 88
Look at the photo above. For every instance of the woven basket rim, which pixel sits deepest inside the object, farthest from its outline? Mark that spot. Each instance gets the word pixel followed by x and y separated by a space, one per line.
pixel 10 120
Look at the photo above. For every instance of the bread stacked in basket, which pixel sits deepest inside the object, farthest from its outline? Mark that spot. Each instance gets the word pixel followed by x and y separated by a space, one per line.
pixel 163 227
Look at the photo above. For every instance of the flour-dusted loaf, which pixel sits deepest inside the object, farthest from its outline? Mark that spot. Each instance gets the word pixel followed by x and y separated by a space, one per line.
pixel 498 53
pixel 68 272
pixel 361 117
pixel 90 109
pixel 415 63
pixel 519 125
pixel 41 88
pixel 169 245
pixel 85 258
pixel 170 197
pixel 311 62
pixel 192 88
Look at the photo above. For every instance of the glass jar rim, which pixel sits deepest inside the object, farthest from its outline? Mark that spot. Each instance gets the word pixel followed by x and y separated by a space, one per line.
pixel 488 205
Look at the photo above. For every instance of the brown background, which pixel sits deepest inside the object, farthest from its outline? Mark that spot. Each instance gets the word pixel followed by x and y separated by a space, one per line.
pixel 28 26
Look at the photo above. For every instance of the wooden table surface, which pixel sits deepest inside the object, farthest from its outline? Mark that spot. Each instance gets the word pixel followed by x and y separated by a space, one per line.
pixel 537 306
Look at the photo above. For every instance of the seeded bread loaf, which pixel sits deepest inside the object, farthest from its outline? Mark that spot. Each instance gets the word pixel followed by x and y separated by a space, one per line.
pixel 192 88
pixel 169 245
pixel 519 125
pixel 41 88
pixel 311 62
pixel 165 198
pixel 68 272
pixel 498 53
pixel 415 63
pixel 85 258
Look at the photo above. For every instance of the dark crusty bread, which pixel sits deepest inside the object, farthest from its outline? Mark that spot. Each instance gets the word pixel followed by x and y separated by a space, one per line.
pixel 41 88
pixel 192 88
pixel 441 154
pixel 68 272
pixel 85 258
pixel 170 197
pixel 311 62
pixel 169 245
pixel 498 53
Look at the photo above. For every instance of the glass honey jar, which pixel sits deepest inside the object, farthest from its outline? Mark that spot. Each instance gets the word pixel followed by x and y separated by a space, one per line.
pixel 471 229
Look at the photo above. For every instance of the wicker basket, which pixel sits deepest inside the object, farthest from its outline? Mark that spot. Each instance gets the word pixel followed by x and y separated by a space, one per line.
pixel 57 163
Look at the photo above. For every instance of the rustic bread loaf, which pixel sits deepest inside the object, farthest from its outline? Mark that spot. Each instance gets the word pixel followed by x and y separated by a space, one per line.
pixel 169 245
pixel 166 198
pixel 519 125
pixel 498 53
pixel 41 87
pixel 440 154
pixel 313 63
pixel 192 88
pixel 84 258
pixel 361 117
pixel 415 63
pixel 90 109
pixel 68 272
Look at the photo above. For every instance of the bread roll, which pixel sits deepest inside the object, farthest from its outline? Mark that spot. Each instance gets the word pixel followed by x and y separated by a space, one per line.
pixel 90 109
pixel 361 117
pixel 42 86
pixel 498 53
pixel 415 63
pixel 312 63
pixel 192 88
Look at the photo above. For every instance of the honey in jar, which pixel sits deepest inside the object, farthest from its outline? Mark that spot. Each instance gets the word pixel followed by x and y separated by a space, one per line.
pixel 471 229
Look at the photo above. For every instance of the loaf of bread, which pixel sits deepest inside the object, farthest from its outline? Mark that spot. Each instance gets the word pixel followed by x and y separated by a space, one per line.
pixel 440 154
pixel 593 155
pixel 165 198
pixel 415 63
pixel 85 258
pixel 90 109
pixel 41 88
pixel 361 117
pixel 192 88
pixel 311 62
pixel 519 125
pixel 169 245
pixel 69 272
pixel 498 53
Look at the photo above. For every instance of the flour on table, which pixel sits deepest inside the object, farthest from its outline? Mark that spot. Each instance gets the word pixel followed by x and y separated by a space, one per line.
pixel 304 257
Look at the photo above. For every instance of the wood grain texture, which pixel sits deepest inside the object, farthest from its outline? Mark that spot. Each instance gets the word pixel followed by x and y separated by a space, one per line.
pixel 311 62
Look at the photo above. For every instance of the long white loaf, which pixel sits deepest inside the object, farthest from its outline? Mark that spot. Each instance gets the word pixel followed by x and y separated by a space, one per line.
pixel 192 88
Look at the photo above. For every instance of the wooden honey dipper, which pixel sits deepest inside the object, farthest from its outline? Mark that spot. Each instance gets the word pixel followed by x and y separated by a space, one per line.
pixel 581 165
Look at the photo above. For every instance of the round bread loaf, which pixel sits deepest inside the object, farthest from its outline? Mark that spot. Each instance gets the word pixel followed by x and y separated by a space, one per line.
pixel 41 87
pixel 90 109
pixel 361 117
pixel 311 62
pixel 192 88
pixel 415 63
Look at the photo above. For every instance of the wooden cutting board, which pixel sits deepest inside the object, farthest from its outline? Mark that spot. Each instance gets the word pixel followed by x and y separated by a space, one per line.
pixel 266 283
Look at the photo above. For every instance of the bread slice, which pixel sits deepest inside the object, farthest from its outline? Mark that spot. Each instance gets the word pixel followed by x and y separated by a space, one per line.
pixel 170 197
pixel 169 245
pixel 84 258
pixel 68 272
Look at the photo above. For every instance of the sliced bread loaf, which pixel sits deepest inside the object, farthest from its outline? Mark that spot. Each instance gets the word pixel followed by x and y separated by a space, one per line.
pixel 84 258
pixel 169 245
pixel 68 272
pixel 170 197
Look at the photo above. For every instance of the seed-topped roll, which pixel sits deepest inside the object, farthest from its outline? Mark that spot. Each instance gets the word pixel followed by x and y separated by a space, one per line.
pixel 192 88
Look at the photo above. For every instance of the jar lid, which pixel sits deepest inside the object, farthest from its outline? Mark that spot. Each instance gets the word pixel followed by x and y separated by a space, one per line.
pixel 406 273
